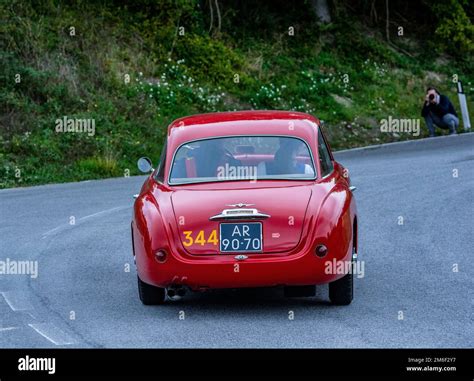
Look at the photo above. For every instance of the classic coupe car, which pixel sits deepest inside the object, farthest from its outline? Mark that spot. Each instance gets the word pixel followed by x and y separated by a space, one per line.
pixel 243 200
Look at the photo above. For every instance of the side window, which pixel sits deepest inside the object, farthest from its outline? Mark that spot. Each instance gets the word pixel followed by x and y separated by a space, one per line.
pixel 324 156
pixel 160 174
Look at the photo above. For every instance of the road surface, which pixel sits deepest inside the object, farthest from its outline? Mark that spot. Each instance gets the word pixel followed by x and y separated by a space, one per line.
pixel 416 209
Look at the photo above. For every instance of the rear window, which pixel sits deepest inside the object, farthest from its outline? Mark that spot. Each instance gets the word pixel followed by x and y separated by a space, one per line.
pixel 237 158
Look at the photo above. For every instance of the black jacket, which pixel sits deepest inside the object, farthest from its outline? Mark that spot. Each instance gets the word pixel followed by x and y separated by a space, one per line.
pixel 441 109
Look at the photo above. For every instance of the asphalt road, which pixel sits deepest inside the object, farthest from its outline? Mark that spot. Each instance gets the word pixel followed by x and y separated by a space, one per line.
pixel 411 294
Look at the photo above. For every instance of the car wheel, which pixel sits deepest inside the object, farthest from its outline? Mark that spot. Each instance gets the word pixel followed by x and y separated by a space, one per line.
pixel 341 292
pixel 150 295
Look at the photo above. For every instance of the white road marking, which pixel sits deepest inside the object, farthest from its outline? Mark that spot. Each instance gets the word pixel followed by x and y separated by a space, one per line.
pixel 52 333
pixel 17 301
pixel 49 232
pixel 8 329
pixel 82 219
pixel 31 315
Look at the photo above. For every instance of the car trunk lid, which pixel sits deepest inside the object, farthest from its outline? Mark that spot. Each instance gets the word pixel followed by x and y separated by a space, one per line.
pixel 281 211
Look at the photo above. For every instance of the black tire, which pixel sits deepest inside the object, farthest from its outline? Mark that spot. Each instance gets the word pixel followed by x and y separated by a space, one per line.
pixel 341 292
pixel 150 295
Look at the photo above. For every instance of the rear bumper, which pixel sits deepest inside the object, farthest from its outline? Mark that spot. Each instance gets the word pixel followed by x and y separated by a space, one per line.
pixel 225 271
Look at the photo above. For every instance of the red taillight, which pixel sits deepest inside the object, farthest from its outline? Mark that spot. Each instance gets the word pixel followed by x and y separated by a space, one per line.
pixel 160 256
pixel 321 251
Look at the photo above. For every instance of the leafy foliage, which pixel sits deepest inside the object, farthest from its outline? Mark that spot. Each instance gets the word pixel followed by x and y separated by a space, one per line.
pixel 133 67
pixel 455 30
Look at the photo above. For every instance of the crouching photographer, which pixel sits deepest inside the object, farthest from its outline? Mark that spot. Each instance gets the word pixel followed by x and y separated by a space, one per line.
pixel 439 111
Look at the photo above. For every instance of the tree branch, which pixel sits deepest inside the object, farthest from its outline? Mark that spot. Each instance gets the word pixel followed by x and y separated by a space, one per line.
pixel 212 16
pixel 218 16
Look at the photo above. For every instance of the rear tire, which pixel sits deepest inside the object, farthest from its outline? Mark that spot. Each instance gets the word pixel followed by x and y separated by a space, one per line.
pixel 341 292
pixel 150 295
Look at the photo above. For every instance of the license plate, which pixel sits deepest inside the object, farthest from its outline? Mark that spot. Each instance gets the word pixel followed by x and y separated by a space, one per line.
pixel 241 237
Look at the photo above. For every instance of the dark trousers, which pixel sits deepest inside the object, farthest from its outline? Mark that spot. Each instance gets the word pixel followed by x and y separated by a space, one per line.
pixel 448 121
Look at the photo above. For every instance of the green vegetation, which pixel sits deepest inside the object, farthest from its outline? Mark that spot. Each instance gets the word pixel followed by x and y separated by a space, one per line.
pixel 134 68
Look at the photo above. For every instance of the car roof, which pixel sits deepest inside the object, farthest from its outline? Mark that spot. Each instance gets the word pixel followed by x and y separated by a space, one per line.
pixel 242 123
pixel 241 116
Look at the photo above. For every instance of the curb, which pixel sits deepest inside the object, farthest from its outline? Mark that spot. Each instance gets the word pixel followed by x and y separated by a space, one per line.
pixel 378 146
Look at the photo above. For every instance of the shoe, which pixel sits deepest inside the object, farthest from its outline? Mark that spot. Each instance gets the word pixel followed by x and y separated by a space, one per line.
pixel 452 129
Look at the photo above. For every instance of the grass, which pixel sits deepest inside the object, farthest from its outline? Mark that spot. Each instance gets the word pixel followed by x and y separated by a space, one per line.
pixel 133 75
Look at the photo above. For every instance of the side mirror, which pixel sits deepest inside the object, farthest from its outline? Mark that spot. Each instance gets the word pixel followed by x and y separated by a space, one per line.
pixel 145 165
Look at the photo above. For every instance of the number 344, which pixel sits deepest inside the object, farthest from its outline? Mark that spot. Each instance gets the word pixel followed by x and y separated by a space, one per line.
pixel 199 238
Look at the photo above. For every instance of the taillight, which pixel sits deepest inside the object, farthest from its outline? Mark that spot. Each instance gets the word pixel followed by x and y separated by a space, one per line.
pixel 160 256
pixel 321 251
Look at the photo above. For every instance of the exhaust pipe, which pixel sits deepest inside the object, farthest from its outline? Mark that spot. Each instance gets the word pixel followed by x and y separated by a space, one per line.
pixel 176 292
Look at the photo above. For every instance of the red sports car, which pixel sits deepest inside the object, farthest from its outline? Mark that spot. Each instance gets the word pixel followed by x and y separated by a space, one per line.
pixel 245 199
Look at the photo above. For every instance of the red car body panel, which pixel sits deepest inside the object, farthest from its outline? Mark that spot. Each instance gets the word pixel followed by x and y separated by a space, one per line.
pixel 292 202
pixel 323 212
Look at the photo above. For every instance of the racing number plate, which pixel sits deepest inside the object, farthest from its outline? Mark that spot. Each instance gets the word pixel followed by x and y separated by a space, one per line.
pixel 240 237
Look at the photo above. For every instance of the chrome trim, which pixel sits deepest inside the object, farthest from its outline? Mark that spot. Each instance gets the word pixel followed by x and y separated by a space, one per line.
pixel 354 256
pixel 135 196
pixel 313 162
pixel 239 214
pixel 240 205
pixel 352 188
pixel 329 174
pixel 241 257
